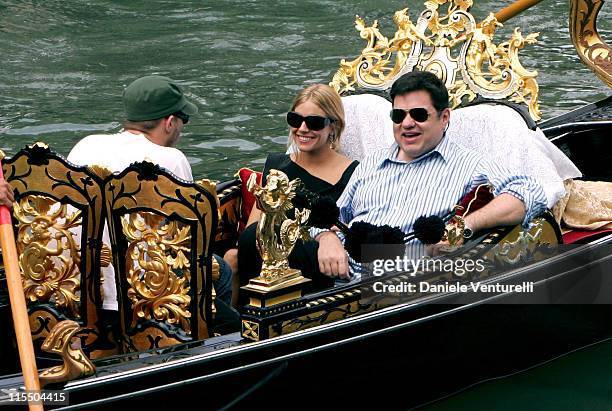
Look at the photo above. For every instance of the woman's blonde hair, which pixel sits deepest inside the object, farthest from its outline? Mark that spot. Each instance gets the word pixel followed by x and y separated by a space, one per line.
pixel 329 101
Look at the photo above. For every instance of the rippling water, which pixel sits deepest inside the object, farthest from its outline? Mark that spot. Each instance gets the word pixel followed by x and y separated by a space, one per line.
pixel 65 63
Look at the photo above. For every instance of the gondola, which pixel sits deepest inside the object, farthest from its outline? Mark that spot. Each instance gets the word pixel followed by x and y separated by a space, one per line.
pixel 344 345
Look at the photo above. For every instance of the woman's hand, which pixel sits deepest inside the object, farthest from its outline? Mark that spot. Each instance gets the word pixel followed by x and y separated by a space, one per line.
pixel 333 259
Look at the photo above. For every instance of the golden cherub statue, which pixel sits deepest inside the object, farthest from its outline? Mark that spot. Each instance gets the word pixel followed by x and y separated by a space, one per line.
pixel 274 200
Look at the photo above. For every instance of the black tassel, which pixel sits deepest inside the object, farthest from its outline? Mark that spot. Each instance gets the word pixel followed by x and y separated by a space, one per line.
pixel 429 230
pixel 363 234
pixel 324 212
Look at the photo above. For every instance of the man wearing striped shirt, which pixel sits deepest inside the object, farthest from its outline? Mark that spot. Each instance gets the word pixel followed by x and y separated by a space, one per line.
pixel 423 173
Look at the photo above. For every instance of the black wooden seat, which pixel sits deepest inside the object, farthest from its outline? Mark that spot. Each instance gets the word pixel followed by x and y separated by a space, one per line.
pixel 162 229
pixel 58 215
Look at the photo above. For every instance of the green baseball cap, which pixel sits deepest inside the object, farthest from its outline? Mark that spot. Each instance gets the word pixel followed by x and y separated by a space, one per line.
pixel 155 97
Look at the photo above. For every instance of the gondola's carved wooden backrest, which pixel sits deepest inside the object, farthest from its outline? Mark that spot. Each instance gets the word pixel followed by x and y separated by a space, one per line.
pixel 162 230
pixel 58 216
pixel 446 40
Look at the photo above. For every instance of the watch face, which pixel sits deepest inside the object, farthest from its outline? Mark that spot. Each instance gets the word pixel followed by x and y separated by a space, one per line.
pixel 467 232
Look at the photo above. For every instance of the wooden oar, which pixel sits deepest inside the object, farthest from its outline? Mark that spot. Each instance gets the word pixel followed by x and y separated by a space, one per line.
pixel 18 303
pixel 514 9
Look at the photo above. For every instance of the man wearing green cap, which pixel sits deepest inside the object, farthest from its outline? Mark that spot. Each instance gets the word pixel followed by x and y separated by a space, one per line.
pixel 156 111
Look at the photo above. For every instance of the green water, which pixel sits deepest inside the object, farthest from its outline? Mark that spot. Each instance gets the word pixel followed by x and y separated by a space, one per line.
pixel 64 65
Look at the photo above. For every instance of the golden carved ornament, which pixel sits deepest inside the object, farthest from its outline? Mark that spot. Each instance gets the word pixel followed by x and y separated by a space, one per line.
pixel 41 323
pixel 250 330
pixel 158 269
pixel 49 257
pixel 274 199
pixel 151 338
pixel 513 252
pixel 212 187
pixel 76 364
pixel 449 44
pixel 591 48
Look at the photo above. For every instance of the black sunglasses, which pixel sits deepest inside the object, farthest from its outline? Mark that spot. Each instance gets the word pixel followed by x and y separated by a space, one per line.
pixel 418 114
pixel 184 117
pixel 314 123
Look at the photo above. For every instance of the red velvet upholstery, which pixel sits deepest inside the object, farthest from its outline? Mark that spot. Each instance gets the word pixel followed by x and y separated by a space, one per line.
pixel 481 195
pixel 475 199
pixel 247 197
pixel 583 236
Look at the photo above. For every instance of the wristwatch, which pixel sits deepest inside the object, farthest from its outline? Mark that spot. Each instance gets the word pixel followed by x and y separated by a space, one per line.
pixel 467 232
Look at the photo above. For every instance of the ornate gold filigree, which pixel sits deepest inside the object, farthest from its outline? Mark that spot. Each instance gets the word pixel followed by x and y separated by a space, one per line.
pixel 591 48
pixel 325 316
pixel 479 67
pixel 275 200
pixel 58 235
pixel 49 257
pixel 512 252
pixel 250 330
pixel 76 364
pixel 158 269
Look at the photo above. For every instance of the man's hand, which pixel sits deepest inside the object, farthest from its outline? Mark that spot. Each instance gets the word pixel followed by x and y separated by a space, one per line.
pixel 333 259
pixel 504 209
pixel 6 194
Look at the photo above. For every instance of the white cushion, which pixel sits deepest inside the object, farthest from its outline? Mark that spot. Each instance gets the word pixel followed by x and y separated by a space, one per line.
pixel 368 125
pixel 501 133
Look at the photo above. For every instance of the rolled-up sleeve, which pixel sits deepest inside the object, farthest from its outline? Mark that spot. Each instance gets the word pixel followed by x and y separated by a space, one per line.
pixel 525 188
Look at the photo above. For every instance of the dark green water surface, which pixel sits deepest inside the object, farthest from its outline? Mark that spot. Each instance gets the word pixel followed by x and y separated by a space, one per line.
pixel 64 65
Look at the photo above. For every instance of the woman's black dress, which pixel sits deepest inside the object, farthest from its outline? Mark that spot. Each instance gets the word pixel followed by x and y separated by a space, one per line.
pixel 304 254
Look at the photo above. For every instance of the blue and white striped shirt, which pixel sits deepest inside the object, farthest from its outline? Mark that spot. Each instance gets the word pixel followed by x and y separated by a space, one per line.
pixel 385 190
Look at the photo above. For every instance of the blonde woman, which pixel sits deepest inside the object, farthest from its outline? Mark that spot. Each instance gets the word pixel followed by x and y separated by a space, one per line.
pixel 316 122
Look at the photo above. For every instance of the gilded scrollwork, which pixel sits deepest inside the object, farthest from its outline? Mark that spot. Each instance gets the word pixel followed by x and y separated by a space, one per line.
pixel 521 249
pixel 451 45
pixel 58 211
pixel 158 268
pixel 161 229
pixel 591 48
pixel 49 257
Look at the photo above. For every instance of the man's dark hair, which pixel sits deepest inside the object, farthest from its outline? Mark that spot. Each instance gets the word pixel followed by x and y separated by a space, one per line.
pixel 422 80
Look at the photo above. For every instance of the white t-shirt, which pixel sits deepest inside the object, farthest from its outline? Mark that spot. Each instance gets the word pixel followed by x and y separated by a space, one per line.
pixel 116 152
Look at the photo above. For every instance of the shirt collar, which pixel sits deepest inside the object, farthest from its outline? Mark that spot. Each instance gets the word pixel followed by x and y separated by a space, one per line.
pixel 443 149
